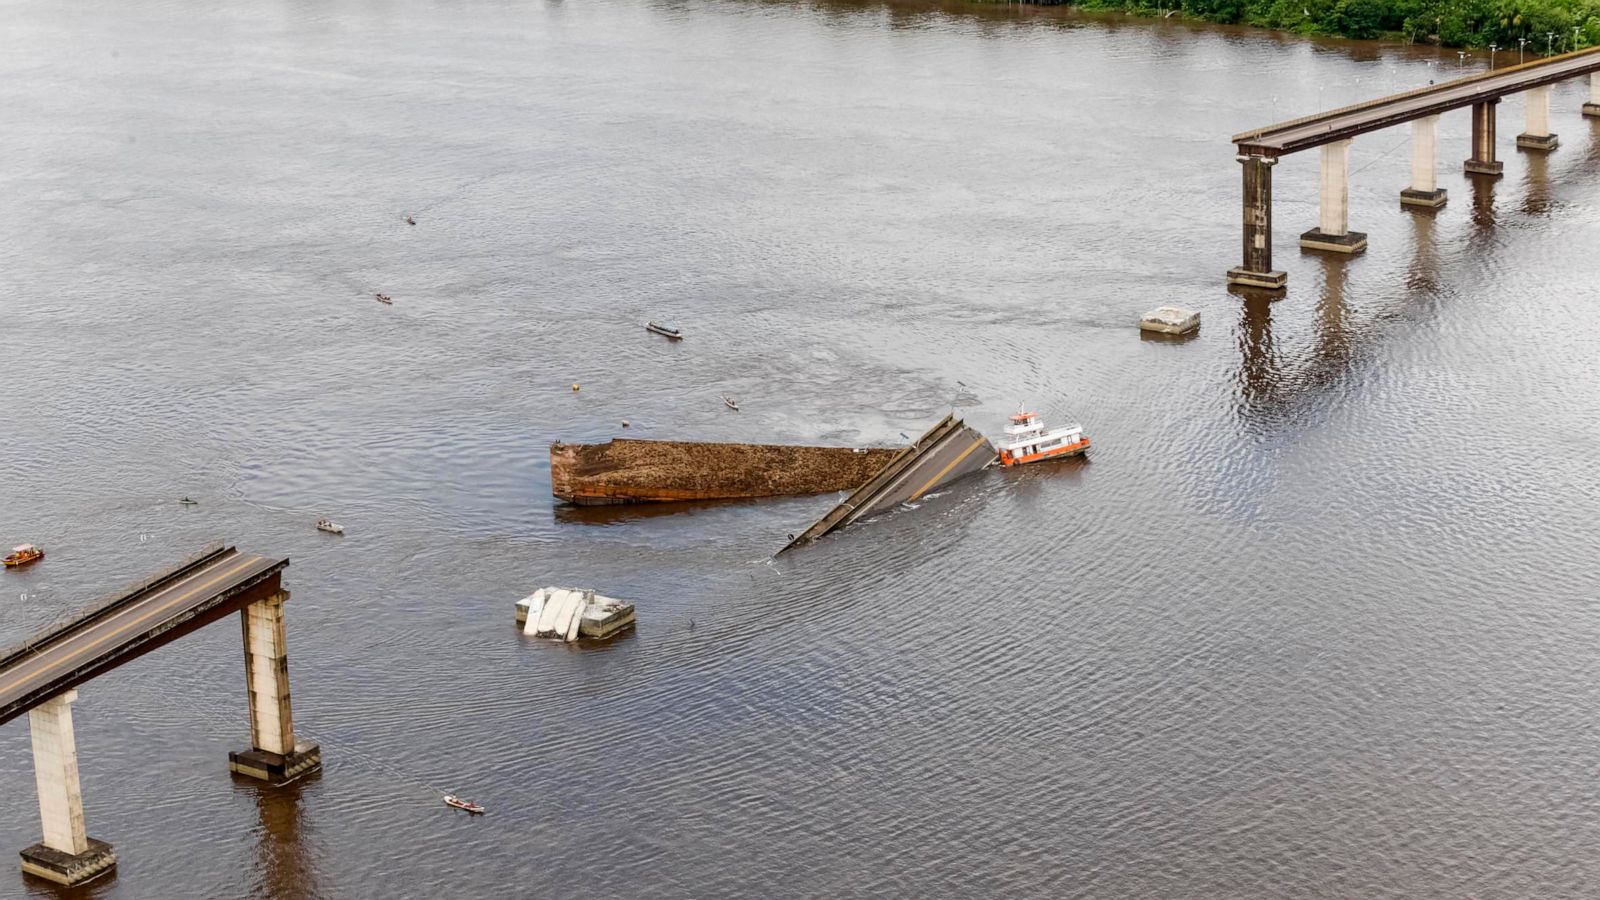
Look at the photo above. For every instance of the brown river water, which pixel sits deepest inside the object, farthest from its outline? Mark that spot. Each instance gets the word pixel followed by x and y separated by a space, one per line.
pixel 1317 618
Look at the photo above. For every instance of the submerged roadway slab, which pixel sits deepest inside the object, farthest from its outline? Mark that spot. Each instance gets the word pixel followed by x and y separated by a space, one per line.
pixel 156 612
pixel 1339 124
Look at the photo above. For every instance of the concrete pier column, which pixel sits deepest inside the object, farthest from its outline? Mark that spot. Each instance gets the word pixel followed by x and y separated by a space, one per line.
pixel 67 855
pixel 1333 231
pixel 274 754
pixel 1256 270
pixel 1483 161
pixel 1538 136
pixel 1592 108
pixel 1424 190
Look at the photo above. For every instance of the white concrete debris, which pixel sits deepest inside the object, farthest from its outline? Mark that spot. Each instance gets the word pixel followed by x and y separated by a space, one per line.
pixel 567 614
pixel 1170 320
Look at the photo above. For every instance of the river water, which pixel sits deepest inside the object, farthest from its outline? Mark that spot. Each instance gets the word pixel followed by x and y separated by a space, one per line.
pixel 1316 619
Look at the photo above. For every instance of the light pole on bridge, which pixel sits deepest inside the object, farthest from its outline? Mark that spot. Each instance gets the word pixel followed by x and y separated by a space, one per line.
pixel 1522 47
pixel 1492 49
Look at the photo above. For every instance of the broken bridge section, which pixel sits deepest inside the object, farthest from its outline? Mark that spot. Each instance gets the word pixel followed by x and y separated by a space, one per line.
pixel 949 451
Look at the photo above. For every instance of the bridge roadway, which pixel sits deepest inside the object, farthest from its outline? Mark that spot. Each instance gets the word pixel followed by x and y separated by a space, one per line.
pixel 151 614
pixel 1345 123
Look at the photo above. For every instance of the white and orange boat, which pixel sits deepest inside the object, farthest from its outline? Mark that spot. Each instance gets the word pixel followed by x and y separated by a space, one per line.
pixel 1027 441
pixel 23 554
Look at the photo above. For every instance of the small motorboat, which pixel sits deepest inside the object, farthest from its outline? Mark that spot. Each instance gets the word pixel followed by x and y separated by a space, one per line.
pixel 185 501
pixel 22 554
pixel 329 527
pixel 731 403
pixel 672 334
pixel 454 801
pixel 384 298
pixel 1027 441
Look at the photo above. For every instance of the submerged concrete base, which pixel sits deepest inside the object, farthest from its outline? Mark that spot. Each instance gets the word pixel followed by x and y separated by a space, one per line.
pixel 1592 110
pixel 275 767
pixel 1272 281
pixel 1493 167
pixel 1543 142
pixel 69 868
pixel 1350 242
pixel 1429 199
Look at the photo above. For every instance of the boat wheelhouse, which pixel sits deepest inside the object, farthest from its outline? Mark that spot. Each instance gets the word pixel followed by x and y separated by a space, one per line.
pixel 1026 441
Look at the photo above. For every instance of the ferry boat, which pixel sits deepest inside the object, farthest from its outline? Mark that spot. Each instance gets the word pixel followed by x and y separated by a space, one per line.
pixel 1027 441
pixel 22 554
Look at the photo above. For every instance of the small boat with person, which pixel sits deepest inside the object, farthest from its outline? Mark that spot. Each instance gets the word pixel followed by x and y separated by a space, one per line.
pixel 185 501
pixel 22 554
pixel 329 527
pixel 384 299
pixel 731 403
pixel 671 334
pixel 453 801
pixel 1027 441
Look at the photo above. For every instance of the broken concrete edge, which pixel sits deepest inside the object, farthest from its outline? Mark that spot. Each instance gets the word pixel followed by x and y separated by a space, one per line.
pixel 890 485
pixel 632 470
pixel 69 868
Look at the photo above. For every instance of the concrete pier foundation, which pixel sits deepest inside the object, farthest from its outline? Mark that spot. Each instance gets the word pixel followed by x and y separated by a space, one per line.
pixel 67 855
pixel 1538 136
pixel 1333 232
pixel 1483 160
pixel 1256 270
pixel 274 754
pixel 1592 108
pixel 1424 190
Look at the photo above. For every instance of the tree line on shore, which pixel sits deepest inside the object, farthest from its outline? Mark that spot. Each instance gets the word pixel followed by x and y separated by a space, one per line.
pixel 1537 27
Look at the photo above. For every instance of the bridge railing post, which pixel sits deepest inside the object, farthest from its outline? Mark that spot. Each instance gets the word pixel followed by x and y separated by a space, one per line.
pixel 1424 190
pixel 1483 161
pixel 274 754
pixel 66 855
pixel 1256 269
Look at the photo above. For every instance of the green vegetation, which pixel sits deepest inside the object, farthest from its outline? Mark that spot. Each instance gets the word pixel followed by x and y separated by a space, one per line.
pixel 1453 23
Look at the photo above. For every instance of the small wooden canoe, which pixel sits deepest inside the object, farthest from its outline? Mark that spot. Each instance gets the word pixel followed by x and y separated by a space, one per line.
pixel 458 803
pixel 668 333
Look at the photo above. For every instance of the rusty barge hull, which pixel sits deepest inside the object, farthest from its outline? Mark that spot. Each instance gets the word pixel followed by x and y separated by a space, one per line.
pixel 639 471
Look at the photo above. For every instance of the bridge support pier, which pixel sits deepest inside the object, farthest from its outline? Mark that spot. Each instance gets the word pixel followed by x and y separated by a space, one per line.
pixel 1592 108
pixel 1483 161
pixel 1256 270
pixel 1538 136
pixel 274 754
pixel 1424 190
pixel 1333 230
pixel 67 855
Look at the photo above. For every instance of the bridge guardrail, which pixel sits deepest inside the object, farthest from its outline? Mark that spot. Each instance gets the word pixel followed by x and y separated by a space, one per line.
pixel 108 603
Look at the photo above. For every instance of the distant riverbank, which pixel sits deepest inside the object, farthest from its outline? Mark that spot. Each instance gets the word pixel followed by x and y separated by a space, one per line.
pixel 1547 26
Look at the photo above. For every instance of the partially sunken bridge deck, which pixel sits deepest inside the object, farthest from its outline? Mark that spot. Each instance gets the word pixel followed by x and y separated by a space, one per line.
pixel 638 471
pixel 948 451
pixel 132 622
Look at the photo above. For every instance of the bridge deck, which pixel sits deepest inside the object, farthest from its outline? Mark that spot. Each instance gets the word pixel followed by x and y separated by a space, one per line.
pixel 155 613
pixel 1338 124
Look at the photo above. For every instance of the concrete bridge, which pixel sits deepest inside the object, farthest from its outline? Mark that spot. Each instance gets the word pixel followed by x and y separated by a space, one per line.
pixel 40 677
pixel 1333 131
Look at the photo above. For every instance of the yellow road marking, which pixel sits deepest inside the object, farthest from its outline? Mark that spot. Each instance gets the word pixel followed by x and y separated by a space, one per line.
pixel 231 572
pixel 944 471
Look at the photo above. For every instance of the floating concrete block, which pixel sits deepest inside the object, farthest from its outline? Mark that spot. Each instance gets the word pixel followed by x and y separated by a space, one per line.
pixel 1170 320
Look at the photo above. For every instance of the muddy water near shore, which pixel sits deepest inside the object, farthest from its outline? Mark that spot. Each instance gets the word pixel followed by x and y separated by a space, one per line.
pixel 1314 619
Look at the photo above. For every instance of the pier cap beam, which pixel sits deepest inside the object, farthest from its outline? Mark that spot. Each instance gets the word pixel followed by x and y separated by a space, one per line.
pixel 67 855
